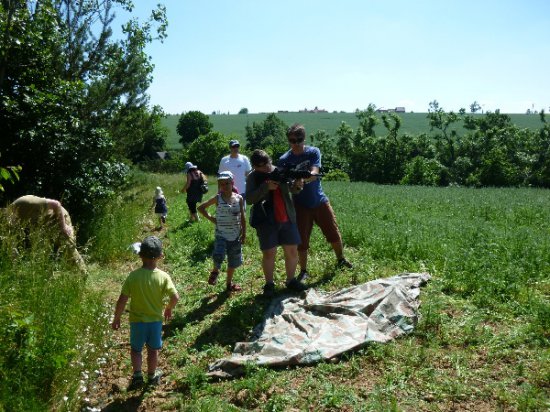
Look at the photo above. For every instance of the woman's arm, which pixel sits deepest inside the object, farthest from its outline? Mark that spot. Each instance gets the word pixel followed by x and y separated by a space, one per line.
pixel 187 183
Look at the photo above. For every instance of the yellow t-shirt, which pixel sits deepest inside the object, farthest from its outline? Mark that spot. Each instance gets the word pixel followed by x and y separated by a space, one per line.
pixel 147 289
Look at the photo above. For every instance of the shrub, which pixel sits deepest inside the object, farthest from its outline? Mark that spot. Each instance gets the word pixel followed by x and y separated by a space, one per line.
pixel 336 175
pixel 422 171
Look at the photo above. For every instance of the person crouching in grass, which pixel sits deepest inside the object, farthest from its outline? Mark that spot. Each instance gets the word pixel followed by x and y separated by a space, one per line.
pixel 146 288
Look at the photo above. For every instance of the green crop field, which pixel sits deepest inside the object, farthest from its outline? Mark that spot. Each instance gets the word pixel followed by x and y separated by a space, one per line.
pixel 234 124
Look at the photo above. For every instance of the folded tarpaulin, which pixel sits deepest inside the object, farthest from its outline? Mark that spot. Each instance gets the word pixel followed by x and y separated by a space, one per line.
pixel 298 331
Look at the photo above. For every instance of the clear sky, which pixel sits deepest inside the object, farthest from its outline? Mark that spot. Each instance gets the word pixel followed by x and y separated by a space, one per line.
pixel 270 55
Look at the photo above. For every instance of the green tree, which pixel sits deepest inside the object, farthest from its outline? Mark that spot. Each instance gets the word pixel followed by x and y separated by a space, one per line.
pixel 139 133
pixel 207 150
pixel 269 135
pixel 475 107
pixel 63 81
pixel 191 125
pixel 244 110
pixel 446 135
pixel 367 120
pixel 422 171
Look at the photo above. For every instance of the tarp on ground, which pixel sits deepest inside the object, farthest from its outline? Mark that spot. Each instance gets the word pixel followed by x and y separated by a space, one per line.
pixel 301 331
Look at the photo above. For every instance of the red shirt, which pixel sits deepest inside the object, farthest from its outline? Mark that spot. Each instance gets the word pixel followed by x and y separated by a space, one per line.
pixel 279 205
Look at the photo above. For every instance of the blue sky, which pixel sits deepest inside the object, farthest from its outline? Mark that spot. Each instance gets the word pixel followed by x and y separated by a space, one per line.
pixel 223 55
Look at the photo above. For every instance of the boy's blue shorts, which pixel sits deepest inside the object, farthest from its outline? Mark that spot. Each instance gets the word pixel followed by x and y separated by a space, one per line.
pixel 233 248
pixel 149 333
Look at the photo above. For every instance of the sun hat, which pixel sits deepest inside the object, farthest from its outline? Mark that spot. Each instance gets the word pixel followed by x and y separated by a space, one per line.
pixel 151 247
pixel 158 191
pixel 225 175
pixel 189 166
pixel 233 143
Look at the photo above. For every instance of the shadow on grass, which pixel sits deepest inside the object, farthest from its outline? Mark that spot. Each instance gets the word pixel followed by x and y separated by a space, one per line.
pixel 132 403
pixel 235 325
pixel 326 278
pixel 200 253
pixel 206 308
pixel 186 224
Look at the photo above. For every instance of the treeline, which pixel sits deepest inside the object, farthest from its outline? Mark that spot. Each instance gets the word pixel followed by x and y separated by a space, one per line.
pixel 74 113
pixel 492 151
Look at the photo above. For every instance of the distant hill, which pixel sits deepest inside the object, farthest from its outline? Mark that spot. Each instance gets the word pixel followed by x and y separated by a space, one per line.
pixel 234 124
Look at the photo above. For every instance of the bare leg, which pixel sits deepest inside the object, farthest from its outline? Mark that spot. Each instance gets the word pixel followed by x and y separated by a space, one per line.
pixel 338 249
pixel 152 361
pixel 136 360
pixel 291 261
pixel 268 263
pixel 230 272
pixel 303 259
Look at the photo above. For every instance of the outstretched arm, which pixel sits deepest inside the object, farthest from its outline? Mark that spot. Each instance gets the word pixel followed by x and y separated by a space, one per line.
pixel 57 209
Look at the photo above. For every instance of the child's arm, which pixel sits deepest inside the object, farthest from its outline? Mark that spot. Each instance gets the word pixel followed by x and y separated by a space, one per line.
pixel 120 305
pixel 168 310
pixel 243 221
pixel 208 203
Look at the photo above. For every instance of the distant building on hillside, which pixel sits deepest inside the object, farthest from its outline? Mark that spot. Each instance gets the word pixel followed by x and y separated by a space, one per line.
pixel 316 110
pixel 396 110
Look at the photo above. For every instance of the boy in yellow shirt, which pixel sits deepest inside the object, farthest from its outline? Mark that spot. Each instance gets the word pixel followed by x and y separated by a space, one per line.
pixel 146 288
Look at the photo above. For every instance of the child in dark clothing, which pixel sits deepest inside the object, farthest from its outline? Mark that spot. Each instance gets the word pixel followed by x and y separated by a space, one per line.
pixel 159 203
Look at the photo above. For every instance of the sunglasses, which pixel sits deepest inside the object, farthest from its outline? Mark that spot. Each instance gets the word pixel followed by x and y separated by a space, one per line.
pixel 295 141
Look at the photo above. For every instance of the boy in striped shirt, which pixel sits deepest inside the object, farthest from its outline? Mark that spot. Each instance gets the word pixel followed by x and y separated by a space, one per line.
pixel 230 232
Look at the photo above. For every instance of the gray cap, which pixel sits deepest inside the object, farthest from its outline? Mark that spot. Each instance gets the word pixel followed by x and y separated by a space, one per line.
pixel 151 247
pixel 233 143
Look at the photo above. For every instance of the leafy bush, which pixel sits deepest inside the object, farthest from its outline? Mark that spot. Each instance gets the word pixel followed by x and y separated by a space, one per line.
pixel 337 176
pixel 422 171
pixel 206 151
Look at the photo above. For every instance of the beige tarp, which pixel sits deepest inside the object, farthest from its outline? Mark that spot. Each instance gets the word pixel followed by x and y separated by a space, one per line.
pixel 325 325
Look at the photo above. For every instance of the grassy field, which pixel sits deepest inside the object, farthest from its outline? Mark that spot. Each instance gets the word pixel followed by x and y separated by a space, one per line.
pixel 412 123
pixel 481 344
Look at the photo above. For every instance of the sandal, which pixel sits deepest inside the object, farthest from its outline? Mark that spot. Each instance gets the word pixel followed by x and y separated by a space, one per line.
pixel 213 278
pixel 233 287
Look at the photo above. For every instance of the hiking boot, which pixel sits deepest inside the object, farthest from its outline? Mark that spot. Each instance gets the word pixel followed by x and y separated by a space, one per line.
pixel 155 379
pixel 343 263
pixel 295 285
pixel 163 219
pixel 303 275
pixel 269 289
pixel 136 383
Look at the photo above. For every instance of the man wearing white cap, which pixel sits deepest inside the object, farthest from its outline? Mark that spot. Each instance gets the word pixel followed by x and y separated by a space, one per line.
pixel 237 164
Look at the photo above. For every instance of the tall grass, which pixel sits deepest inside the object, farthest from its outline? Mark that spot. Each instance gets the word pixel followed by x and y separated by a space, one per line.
pixel 49 332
